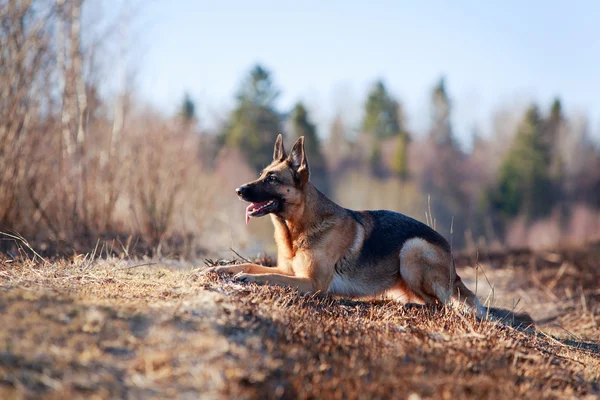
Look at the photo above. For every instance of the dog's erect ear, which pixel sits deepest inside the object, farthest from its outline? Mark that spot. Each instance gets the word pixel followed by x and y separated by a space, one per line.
pixel 297 159
pixel 279 151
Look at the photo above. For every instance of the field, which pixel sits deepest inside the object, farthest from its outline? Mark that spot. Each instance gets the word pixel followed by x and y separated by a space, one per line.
pixel 125 328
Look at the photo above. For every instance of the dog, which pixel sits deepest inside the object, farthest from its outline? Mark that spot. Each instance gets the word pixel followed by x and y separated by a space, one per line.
pixel 323 247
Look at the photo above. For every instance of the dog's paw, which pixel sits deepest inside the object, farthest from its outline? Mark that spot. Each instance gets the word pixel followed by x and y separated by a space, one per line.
pixel 243 277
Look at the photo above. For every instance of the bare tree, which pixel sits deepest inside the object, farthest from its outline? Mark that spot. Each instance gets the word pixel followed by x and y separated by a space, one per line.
pixel 24 60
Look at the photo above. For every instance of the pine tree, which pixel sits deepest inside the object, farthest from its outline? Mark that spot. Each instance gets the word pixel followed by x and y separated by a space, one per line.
pixel 444 167
pixel 187 110
pixel 553 129
pixel 523 184
pixel 382 113
pixel 384 119
pixel 255 123
pixel 400 162
pixel 375 156
pixel 302 126
pixel 441 130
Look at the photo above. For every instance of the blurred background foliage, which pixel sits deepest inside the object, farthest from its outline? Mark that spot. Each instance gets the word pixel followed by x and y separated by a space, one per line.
pixel 76 165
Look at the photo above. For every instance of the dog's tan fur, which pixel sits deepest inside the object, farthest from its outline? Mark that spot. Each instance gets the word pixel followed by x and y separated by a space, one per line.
pixel 323 247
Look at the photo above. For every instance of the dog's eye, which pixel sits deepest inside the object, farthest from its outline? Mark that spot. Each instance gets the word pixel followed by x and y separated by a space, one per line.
pixel 271 178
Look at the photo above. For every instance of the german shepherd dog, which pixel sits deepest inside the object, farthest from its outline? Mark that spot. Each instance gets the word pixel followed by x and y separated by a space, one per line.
pixel 323 247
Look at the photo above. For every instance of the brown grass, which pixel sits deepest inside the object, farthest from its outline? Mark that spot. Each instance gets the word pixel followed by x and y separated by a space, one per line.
pixel 115 328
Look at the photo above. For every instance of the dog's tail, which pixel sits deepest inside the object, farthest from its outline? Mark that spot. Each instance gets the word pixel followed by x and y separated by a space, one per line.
pixel 462 297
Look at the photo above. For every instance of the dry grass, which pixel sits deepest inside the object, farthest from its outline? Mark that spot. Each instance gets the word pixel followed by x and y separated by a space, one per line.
pixel 78 328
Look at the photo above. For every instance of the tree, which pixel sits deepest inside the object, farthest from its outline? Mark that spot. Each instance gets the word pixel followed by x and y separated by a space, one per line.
pixel 523 184
pixel 187 110
pixel 552 136
pixel 302 126
pixel 444 167
pixel 441 130
pixel 375 157
pixel 383 115
pixel 400 162
pixel 384 119
pixel 255 123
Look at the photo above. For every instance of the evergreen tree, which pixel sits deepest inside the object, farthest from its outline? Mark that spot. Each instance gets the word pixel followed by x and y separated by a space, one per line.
pixel 444 167
pixel 400 162
pixel 382 113
pixel 554 128
pixel 302 126
pixel 255 123
pixel 384 119
pixel 375 156
pixel 441 130
pixel 187 110
pixel 523 184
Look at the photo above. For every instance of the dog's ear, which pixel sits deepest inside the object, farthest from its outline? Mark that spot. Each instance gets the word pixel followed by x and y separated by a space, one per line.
pixel 279 151
pixel 298 161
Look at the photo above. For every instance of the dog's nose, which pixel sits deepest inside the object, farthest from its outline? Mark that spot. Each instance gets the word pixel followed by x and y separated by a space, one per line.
pixel 240 191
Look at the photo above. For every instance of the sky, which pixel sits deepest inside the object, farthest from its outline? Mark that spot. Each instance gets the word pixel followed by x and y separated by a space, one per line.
pixel 494 55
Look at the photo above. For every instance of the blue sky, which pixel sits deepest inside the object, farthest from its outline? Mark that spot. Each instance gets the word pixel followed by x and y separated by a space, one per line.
pixel 494 55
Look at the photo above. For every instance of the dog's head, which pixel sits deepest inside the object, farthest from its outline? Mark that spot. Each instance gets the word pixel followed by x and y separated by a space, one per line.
pixel 280 187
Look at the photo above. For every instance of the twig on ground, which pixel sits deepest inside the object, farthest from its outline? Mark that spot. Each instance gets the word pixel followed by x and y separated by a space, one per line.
pixel 136 266
pixel 238 254
pixel 21 239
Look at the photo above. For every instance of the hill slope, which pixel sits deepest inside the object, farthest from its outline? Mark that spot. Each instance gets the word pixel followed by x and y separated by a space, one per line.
pixel 115 329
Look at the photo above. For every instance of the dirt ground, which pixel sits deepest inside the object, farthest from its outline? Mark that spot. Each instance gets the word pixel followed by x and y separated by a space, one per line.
pixel 119 328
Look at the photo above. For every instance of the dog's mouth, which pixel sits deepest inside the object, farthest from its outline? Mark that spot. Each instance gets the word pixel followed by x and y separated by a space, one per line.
pixel 261 208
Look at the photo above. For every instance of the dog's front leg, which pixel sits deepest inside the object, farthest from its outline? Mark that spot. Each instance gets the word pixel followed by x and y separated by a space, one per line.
pixel 304 285
pixel 240 268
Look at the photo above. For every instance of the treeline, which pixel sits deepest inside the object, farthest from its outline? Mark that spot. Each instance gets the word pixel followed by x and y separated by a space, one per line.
pixel 546 170
pixel 76 166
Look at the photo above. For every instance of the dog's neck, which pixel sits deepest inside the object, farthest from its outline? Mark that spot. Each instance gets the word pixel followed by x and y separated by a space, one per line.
pixel 312 211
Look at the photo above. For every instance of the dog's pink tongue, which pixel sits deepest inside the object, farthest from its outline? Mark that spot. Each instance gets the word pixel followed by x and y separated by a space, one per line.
pixel 252 207
pixel 248 213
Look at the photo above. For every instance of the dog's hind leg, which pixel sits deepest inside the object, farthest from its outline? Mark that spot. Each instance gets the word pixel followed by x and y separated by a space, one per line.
pixel 429 271
pixel 424 269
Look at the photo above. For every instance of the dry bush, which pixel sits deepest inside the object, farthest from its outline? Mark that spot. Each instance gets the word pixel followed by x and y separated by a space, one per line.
pixel 52 157
pixel 24 73
pixel 161 162
pixel 151 183
pixel 74 166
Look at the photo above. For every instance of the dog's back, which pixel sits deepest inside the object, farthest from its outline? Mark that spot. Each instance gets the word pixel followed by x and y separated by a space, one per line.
pixel 390 230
